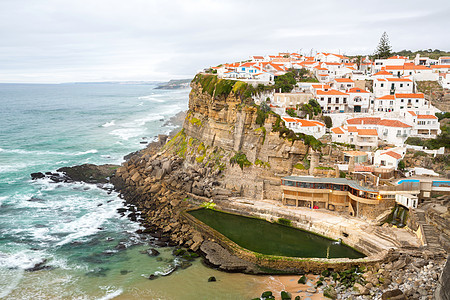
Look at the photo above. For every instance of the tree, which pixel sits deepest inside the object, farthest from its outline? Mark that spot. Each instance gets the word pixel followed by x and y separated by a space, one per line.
pixel 401 165
pixel 328 121
pixel 384 49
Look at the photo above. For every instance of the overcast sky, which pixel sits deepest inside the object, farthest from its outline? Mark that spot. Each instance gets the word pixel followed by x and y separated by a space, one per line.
pixel 103 40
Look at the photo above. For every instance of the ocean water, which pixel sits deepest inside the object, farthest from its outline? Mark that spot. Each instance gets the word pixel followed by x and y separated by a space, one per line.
pixel 74 227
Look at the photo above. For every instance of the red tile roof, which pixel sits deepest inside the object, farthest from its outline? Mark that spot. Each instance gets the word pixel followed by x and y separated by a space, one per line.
pixel 397 57
pixel 331 93
pixel 440 66
pixel 426 117
pixel 356 90
pixel 412 113
pixel 365 120
pixel 398 79
pixel 337 130
pixel 344 80
pixel 417 95
pixel 367 132
pixel 387 97
pixel 393 123
pixel 383 72
pixel 393 154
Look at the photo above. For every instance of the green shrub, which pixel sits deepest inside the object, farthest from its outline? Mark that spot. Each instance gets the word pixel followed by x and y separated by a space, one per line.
pixel 342 174
pixel 241 159
pixel 299 166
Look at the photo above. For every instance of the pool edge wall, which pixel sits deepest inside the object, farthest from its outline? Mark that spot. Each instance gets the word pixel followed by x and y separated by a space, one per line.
pixel 281 263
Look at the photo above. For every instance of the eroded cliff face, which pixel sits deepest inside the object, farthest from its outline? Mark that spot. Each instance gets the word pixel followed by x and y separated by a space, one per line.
pixel 226 125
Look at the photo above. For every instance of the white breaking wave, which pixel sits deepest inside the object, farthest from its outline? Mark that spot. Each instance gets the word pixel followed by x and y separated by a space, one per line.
pixel 151 98
pixel 8 281
pixel 21 151
pixel 86 152
pixel 111 295
pixel 109 124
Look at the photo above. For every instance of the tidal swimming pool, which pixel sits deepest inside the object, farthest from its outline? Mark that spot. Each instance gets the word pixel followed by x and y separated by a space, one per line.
pixel 273 239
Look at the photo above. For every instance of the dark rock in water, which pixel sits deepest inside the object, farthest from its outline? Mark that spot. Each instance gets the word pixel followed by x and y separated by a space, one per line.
pixel 285 296
pixel 152 252
pixel 98 272
pixel 152 276
pixel 109 239
pixel 121 210
pixel 39 267
pixel 267 295
pixel 32 199
pixel 185 265
pixel 124 272
pixel 90 173
pixel 212 279
pixel 120 246
pixel 49 173
pixel 37 175
pixel 393 294
pixel 143 142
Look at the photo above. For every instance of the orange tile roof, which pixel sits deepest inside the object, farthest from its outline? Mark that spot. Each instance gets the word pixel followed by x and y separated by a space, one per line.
pixel 426 117
pixel 387 97
pixel 440 66
pixel 393 154
pixel 258 57
pixel 398 79
pixel 393 123
pixel 356 90
pixel 367 132
pixel 383 72
pixel 355 153
pixel 247 64
pixel 337 130
pixel 365 120
pixel 352 129
pixel 397 57
pixel 289 120
pixel 417 95
pixel 321 86
pixel 344 80
pixel 412 113
pixel 331 92
pixel 380 79
pixel 309 123
pixel 444 57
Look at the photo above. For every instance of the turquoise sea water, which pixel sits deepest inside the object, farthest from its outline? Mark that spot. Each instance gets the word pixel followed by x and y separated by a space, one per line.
pixel 74 227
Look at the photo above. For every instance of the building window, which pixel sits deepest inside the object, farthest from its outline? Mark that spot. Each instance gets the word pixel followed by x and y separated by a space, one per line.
pixel 329 99
pixel 337 108
pixel 401 84
pixel 382 85
pixel 337 100
pixel 344 100
pixel 402 100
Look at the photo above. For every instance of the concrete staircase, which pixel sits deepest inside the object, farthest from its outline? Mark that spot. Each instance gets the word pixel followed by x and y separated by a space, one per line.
pixel 430 234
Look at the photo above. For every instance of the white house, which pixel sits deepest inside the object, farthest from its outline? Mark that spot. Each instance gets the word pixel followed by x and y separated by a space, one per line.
pixel 343 84
pixel 309 127
pixel 392 131
pixel 400 102
pixel 359 100
pixel 424 125
pixel 418 72
pixel 390 86
pixel 330 57
pixel 444 80
pixel 332 100
pixel 383 74
pixel 380 64
pixel 363 139
pixel 389 158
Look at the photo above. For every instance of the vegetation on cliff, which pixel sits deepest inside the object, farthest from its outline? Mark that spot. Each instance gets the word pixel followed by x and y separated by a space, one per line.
pixel 290 135
pixel 241 159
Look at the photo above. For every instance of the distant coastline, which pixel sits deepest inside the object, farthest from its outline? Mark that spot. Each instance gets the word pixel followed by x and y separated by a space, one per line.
pixel 174 84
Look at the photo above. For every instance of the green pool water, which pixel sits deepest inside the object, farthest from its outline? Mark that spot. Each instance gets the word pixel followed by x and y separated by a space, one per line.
pixel 273 239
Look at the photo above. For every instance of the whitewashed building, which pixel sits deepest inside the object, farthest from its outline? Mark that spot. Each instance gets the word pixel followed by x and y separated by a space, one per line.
pixel 309 127
pixel 390 86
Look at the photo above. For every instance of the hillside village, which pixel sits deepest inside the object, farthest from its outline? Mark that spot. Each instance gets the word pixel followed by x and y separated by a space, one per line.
pixel 377 124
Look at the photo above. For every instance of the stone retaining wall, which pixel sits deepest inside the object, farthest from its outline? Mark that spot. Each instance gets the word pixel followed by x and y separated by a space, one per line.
pixel 290 264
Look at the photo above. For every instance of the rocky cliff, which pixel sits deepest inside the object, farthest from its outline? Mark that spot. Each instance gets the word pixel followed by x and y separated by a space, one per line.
pixel 220 152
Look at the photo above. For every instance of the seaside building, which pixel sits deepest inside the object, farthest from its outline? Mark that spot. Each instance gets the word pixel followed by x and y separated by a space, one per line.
pixel 338 194
pixel 309 127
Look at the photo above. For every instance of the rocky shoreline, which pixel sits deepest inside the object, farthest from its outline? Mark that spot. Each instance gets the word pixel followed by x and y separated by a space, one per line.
pixel 157 187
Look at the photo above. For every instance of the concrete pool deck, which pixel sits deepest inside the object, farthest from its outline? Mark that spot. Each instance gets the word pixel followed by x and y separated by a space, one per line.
pixel 362 234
